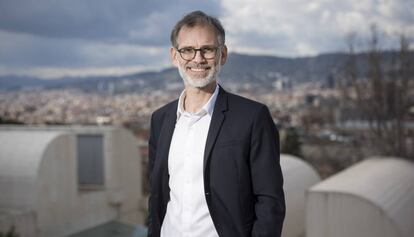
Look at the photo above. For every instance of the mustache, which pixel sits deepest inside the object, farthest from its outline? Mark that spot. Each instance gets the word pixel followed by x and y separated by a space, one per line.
pixel 199 66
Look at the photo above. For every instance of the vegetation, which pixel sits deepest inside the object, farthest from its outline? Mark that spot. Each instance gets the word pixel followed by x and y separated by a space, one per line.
pixel 10 233
pixel 382 96
pixel 4 120
pixel 291 144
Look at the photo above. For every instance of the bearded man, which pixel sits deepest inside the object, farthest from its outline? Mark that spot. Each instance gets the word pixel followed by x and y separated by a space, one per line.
pixel 214 156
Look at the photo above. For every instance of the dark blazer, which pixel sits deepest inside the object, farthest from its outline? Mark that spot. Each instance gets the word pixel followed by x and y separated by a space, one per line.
pixel 243 180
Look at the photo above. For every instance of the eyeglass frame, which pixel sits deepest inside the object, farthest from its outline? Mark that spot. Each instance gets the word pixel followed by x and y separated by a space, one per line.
pixel 199 49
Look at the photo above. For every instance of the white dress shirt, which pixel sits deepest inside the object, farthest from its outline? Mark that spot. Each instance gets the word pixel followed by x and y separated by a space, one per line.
pixel 187 211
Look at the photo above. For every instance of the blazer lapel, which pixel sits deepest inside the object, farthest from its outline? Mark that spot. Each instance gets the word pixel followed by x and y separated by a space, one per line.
pixel 165 137
pixel 215 124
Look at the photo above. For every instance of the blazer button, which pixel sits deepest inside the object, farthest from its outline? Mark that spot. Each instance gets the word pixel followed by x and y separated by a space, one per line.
pixel 207 194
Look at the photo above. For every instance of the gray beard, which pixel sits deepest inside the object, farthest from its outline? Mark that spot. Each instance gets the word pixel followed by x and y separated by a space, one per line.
pixel 200 82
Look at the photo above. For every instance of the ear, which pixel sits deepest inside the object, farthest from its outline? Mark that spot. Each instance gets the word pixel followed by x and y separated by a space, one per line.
pixel 174 56
pixel 223 55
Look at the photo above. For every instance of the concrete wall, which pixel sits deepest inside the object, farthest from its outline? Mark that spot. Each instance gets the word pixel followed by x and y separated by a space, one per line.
pixel 52 192
pixel 299 176
pixel 63 208
pixel 20 155
pixel 343 215
pixel 126 170
pixel 373 198
pixel 24 222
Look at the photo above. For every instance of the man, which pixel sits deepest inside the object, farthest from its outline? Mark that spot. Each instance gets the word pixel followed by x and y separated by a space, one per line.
pixel 214 156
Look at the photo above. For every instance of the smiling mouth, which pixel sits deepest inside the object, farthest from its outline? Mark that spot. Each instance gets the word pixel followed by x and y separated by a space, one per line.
pixel 198 69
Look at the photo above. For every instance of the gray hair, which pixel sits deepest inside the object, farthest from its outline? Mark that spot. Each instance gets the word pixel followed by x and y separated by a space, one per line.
pixel 198 18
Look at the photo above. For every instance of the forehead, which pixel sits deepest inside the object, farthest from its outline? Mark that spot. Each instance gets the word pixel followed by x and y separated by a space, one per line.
pixel 196 36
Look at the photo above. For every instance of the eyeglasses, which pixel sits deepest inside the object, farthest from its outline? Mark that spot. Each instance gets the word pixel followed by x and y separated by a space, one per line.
pixel 189 53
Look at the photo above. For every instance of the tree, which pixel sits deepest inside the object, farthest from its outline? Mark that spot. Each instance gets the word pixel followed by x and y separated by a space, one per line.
pixel 10 233
pixel 291 144
pixel 383 96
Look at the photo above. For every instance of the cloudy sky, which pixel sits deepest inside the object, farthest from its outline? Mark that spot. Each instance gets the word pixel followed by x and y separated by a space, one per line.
pixel 53 38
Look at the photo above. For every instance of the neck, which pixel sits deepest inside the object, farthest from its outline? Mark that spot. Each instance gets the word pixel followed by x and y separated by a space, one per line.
pixel 196 98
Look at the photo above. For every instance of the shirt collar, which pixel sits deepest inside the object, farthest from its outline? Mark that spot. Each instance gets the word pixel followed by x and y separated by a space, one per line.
pixel 208 107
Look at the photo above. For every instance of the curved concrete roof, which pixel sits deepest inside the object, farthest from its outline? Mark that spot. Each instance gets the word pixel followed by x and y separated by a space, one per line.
pixel 297 168
pixel 387 183
pixel 22 151
pixel 298 176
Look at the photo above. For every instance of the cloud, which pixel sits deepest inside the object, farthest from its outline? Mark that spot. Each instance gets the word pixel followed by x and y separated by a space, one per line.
pixel 40 36
pixel 38 51
pixel 91 35
pixel 58 72
pixel 297 28
pixel 102 20
pixel 40 56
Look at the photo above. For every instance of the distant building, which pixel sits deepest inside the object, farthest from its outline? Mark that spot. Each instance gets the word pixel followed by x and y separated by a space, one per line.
pixel 58 181
pixel 330 82
pixel 283 83
pixel 374 198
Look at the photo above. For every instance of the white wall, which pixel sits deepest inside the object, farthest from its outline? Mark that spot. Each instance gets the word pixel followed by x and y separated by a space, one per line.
pixel 24 222
pixel 373 198
pixel 344 215
pixel 49 185
pixel 126 184
pixel 298 176
pixel 61 207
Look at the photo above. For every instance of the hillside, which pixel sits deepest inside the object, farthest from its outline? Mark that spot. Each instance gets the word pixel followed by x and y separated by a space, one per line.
pixel 240 68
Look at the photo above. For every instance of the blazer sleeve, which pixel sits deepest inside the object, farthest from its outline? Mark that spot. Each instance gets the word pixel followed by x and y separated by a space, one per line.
pixel 152 150
pixel 267 179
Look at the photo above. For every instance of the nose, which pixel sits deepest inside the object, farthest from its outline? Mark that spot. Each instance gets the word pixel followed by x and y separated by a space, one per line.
pixel 198 58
